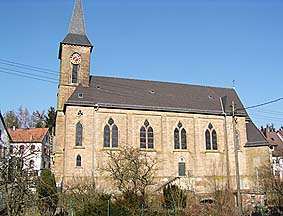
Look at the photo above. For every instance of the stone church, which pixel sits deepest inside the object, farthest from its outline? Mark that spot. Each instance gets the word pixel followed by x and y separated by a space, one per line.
pixel 189 128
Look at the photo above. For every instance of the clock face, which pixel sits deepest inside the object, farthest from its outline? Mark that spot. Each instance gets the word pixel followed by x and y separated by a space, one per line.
pixel 76 58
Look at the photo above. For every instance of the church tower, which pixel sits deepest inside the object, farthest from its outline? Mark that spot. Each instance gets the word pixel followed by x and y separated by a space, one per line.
pixel 74 55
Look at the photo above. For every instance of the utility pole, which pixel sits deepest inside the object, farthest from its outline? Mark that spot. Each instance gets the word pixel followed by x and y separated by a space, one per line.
pixel 223 105
pixel 236 145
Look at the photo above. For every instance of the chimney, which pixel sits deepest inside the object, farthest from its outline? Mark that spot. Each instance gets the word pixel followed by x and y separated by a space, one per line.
pixel 14 128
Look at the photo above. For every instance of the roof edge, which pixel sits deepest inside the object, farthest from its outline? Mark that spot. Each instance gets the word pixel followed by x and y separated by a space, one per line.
pixel 148 108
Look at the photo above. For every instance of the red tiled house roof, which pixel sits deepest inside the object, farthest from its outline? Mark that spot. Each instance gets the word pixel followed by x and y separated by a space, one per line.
pixel 28 135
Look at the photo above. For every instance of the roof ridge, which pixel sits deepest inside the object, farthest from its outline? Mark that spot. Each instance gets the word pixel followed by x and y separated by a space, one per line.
pixel 165 82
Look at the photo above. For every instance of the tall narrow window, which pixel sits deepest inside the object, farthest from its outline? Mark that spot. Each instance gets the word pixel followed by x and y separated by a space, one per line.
pixel 184 138
pixel 176 139
pixel 79 134
pixel 79 161
pixel 146 136
pixel 214 140
pixel 207 139
pixel 211 138
pixel 106 136
pixel 182 167
pixel 75 61
pixel 143 137
pixel 111 134
pixel 180 137
pixel 75 73
pixel 114 136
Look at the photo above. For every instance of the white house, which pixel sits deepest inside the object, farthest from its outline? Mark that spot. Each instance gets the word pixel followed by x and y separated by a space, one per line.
pixel 33 144
pixel 4 138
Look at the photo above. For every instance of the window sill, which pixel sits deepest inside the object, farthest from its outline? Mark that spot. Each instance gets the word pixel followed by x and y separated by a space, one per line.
pixel 181 150
pixel 79 147
pixel 147 150
pixel 111 149
pixel 212 151
pixel 79 167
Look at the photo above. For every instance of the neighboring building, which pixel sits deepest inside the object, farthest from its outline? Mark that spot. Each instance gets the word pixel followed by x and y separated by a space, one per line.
pixel 4 153
pixel 275 139
pixel 187 128
pixel 4 139
pixel 33 144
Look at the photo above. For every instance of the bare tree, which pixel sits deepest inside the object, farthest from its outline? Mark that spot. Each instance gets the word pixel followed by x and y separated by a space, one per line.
pixel 17 180
pixel 272 186
pixel 132 171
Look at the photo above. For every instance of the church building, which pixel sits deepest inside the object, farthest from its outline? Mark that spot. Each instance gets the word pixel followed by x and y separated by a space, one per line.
pixel 189 128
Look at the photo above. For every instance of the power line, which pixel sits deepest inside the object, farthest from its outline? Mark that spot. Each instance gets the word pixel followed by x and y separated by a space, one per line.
pixel 26 76
pixel 268 117
pixel 28 66
pixel 26 73
pixel 268 111
pixel 262 104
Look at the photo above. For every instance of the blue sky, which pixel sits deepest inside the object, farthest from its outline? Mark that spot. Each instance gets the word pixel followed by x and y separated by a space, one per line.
pixel 207 42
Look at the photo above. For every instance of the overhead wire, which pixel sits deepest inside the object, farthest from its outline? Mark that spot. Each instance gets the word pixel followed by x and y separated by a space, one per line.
pixel 262 104
pixel 26 76
pixel 28 66
pixel 27 73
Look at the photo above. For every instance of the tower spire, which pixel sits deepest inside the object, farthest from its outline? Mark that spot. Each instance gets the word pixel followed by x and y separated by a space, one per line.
pixel 77 24
pixel 77 33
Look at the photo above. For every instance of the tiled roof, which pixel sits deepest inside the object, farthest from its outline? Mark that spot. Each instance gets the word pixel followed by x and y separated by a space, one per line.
pixel 28 135
pixel 254 136
pixel 154 95
pixel 274 139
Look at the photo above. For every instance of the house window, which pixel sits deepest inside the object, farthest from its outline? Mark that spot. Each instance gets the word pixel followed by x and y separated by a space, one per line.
pixel 79 161
pixel 146 136
pixel 180 137
pixel 31 164
pixel 1 151
pixel 11 149
pixel 79 134
pixel 210 138
pixel 111 134
pixel 22 149
pixel 182 167
pixel 32 148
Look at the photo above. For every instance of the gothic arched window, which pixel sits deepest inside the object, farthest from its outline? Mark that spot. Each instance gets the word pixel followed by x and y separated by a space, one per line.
pixel 79 134
pixel 146 136
pixel 79 161
pixel 111 134
pixel 210 138
pixel 180 137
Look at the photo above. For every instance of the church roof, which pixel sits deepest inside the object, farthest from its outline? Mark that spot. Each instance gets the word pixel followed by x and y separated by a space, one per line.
pixel 254 136
pixel 77 33
pixel 154 95
pixel 110 92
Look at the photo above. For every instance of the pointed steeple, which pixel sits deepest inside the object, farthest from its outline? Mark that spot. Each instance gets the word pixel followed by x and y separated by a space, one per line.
pixel 77 25
pixel 77 33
